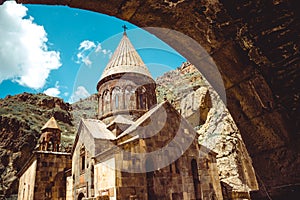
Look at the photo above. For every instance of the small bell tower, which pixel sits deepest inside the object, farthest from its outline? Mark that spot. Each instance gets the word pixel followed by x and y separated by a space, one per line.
pixel 50 138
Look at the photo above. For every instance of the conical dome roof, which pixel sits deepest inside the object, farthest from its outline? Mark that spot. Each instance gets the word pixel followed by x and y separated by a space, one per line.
pixel 51 123
pixel 125 60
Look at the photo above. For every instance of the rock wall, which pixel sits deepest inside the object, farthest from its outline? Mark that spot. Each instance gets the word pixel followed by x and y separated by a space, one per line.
pixel 203 108
pixel 220 133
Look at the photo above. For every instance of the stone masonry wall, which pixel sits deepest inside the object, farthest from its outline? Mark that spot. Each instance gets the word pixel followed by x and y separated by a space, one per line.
pixel 174 180
pixel 50 180
pixel 27 183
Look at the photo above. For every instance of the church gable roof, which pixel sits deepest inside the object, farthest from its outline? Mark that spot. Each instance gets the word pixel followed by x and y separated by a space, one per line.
pixel 90 132
pixel 161 119
pixel 119 121
pixel 98 129
pixel 51 123
pixel 125 60
pixel 137 124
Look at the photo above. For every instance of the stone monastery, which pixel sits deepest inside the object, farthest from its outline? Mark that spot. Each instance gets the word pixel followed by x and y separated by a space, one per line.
pixel 135 150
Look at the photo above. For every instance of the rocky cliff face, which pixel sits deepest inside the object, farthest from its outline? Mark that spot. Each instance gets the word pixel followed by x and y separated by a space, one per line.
pixel 86 108
pixel 220 133
pixel 21 118
pixel 198 102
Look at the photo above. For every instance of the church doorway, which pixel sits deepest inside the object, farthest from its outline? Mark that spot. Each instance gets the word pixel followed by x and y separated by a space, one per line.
pixel 80 196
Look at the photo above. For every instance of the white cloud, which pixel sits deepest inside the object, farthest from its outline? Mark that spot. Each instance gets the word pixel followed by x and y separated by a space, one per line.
pixel 54 91
pixel 99 49
pixel 80 93
pixel 24 54
pixel 86 47
pixel 86 61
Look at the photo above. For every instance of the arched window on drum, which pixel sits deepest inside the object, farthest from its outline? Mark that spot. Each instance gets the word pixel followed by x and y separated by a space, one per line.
pixel 130 98
pixel 116 98
pixel 100 108
pixel 142 100
pixel 106 101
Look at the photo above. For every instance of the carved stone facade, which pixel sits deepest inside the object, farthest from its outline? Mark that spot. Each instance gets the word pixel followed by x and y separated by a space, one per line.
pixel 125 94
pixel 43 176
pixel 102 163
pixel 126 87
pixel 138 149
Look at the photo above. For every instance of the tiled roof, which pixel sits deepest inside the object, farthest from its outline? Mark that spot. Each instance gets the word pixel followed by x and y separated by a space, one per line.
pixel 142 119
pixel 98 129
pixel 124 60
pixel 120 120
pixel 51 123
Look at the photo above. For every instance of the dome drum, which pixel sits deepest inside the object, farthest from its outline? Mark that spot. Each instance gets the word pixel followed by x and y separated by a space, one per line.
pixel 133 93
pixel 126 86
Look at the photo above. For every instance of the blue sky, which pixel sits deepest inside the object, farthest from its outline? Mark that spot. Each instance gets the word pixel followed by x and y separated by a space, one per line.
pixel 62 51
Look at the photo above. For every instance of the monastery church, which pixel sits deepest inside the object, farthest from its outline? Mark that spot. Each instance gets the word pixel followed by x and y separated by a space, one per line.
pixel 135 150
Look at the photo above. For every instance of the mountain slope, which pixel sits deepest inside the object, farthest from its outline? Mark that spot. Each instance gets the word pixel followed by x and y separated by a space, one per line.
pixel 21 118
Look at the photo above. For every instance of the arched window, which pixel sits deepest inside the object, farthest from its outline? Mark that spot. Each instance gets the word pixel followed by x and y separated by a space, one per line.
pixel 80 196
pixel 92 176
pixel 82 159
pixel 116 98
pixel 99 105
pixel 130 99
pixel 197 189
pixel 142 97
pixel 106 101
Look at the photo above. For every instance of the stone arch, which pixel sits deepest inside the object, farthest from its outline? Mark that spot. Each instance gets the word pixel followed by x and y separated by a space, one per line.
pixel 59 189
pixel 80 196
pixel 99 101
pixel 82 160
pixel 228 32
pixel 142 100
pixel 116 98
pixel 129 97
pixel 106 101
pixel 92 176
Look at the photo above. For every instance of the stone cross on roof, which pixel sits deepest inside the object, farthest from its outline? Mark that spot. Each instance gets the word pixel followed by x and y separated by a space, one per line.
pixel 125 28
pixel 125 59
